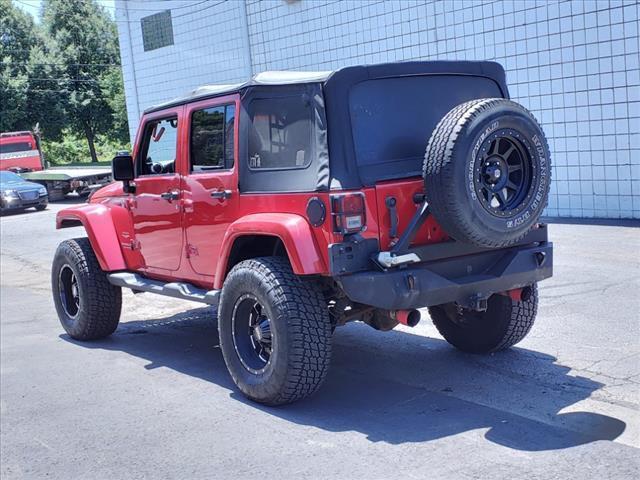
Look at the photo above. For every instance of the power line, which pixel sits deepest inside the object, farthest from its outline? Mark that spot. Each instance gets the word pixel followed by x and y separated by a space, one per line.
pixel 131 9
pixel 200 10
pixel 62 63
pixel 46 90
pixel 156 10
pixel 35 3
pixel 206 7
pixel 86 80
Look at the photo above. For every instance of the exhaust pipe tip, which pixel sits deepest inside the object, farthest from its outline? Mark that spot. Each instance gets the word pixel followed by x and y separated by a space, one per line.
pixel 525 294
pixel 520 294
pixel 410 318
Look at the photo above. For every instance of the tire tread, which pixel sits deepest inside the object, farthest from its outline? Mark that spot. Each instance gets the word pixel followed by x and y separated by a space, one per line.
pixel 103 301
pixel 517 319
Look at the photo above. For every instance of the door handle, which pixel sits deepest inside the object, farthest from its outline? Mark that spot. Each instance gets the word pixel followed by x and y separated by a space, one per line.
pixel 221 194
pixel 170 195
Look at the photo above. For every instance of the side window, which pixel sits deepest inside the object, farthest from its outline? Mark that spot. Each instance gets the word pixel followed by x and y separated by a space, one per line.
pixel 280 133
pixel 212 138
pixel 158 154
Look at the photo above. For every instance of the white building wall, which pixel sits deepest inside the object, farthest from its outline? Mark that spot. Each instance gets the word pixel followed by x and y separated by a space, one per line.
pixel 575 64
pixel 210 46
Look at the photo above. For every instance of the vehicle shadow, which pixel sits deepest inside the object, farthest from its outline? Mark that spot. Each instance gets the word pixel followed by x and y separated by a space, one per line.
pixel 600 222
pixel 396 387
pixel 17 211
pixel 70 199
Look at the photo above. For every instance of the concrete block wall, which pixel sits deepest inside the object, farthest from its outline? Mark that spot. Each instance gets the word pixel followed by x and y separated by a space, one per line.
pixel 575 64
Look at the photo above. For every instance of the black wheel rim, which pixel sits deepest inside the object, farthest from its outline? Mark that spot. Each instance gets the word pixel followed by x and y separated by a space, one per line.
pixel 253 338
pixel 69 291
pixel 504 173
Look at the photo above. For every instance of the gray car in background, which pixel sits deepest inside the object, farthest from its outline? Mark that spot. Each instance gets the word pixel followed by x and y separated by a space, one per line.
pixel 17 194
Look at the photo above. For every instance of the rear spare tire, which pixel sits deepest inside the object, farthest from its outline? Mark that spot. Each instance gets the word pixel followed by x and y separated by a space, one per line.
pixel 487 172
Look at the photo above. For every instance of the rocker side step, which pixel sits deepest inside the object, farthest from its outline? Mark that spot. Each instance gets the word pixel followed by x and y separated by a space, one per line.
pixel 185 291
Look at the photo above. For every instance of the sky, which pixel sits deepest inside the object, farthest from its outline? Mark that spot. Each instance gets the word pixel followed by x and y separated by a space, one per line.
pixel 32 7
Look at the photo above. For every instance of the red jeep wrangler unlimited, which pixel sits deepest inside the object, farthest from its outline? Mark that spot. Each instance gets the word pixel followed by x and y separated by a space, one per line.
pixel 297 202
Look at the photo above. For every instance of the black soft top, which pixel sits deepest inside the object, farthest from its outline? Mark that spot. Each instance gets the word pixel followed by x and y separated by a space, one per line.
pixel 380 117
pixel 341 78
pixel 373 121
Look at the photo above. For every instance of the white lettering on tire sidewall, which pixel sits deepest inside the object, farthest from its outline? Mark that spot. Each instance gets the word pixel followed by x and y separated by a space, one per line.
pixel 541 188
pixel 480 140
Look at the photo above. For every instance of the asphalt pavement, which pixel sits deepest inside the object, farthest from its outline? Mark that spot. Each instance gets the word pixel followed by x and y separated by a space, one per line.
pixel 155 400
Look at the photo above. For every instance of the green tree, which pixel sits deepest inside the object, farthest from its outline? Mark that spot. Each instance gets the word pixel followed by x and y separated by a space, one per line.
pixel 29 71
pixel 17 38
pixel 112 86
pixel 45 102
pixel 87 47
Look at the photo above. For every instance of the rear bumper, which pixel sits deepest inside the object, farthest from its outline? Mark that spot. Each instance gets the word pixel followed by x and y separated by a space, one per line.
pixel 465 279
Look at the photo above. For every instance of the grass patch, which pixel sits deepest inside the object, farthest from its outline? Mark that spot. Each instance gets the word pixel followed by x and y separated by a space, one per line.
pixel 73 151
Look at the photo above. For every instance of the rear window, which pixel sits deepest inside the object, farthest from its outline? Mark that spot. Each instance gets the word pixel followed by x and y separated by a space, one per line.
pixel 392 119
pixel 280 133
pixel 16 147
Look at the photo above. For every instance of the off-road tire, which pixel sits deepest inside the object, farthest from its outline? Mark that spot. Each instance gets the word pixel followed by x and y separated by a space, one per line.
pixel 99 302
pixel 452 169
pixel 300 326
pixel 501 326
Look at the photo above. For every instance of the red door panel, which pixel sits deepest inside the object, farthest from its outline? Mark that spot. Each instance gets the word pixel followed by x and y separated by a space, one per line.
pixel 210 184
pixel 157 221
pixel 206 218
pixel 156 209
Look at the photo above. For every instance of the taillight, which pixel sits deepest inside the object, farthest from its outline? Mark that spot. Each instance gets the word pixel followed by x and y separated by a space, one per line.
pixel 348 213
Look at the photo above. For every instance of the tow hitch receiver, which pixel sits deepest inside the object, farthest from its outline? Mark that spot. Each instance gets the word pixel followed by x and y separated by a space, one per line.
pixel 477 303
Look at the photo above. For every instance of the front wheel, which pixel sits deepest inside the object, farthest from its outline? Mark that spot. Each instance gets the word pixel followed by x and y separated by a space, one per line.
pixel 275 332
pixel 87 304
pixel 502 325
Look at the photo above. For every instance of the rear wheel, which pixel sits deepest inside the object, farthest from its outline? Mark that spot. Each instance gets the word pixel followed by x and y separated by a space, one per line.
pixel 502 325
pixel 275 332
pixel 88 305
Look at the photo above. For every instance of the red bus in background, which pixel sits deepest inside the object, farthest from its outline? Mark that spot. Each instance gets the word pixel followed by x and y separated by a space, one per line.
pixel 20 152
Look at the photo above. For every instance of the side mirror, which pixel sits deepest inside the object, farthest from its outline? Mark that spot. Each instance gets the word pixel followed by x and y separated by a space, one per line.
pixel 122 168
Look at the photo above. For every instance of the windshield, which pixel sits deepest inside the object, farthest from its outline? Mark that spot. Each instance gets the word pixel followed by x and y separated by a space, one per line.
pixel 15 147
pixel 9 177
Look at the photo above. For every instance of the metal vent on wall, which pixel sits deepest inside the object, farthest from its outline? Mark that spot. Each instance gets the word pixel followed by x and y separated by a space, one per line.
pixel 157 30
